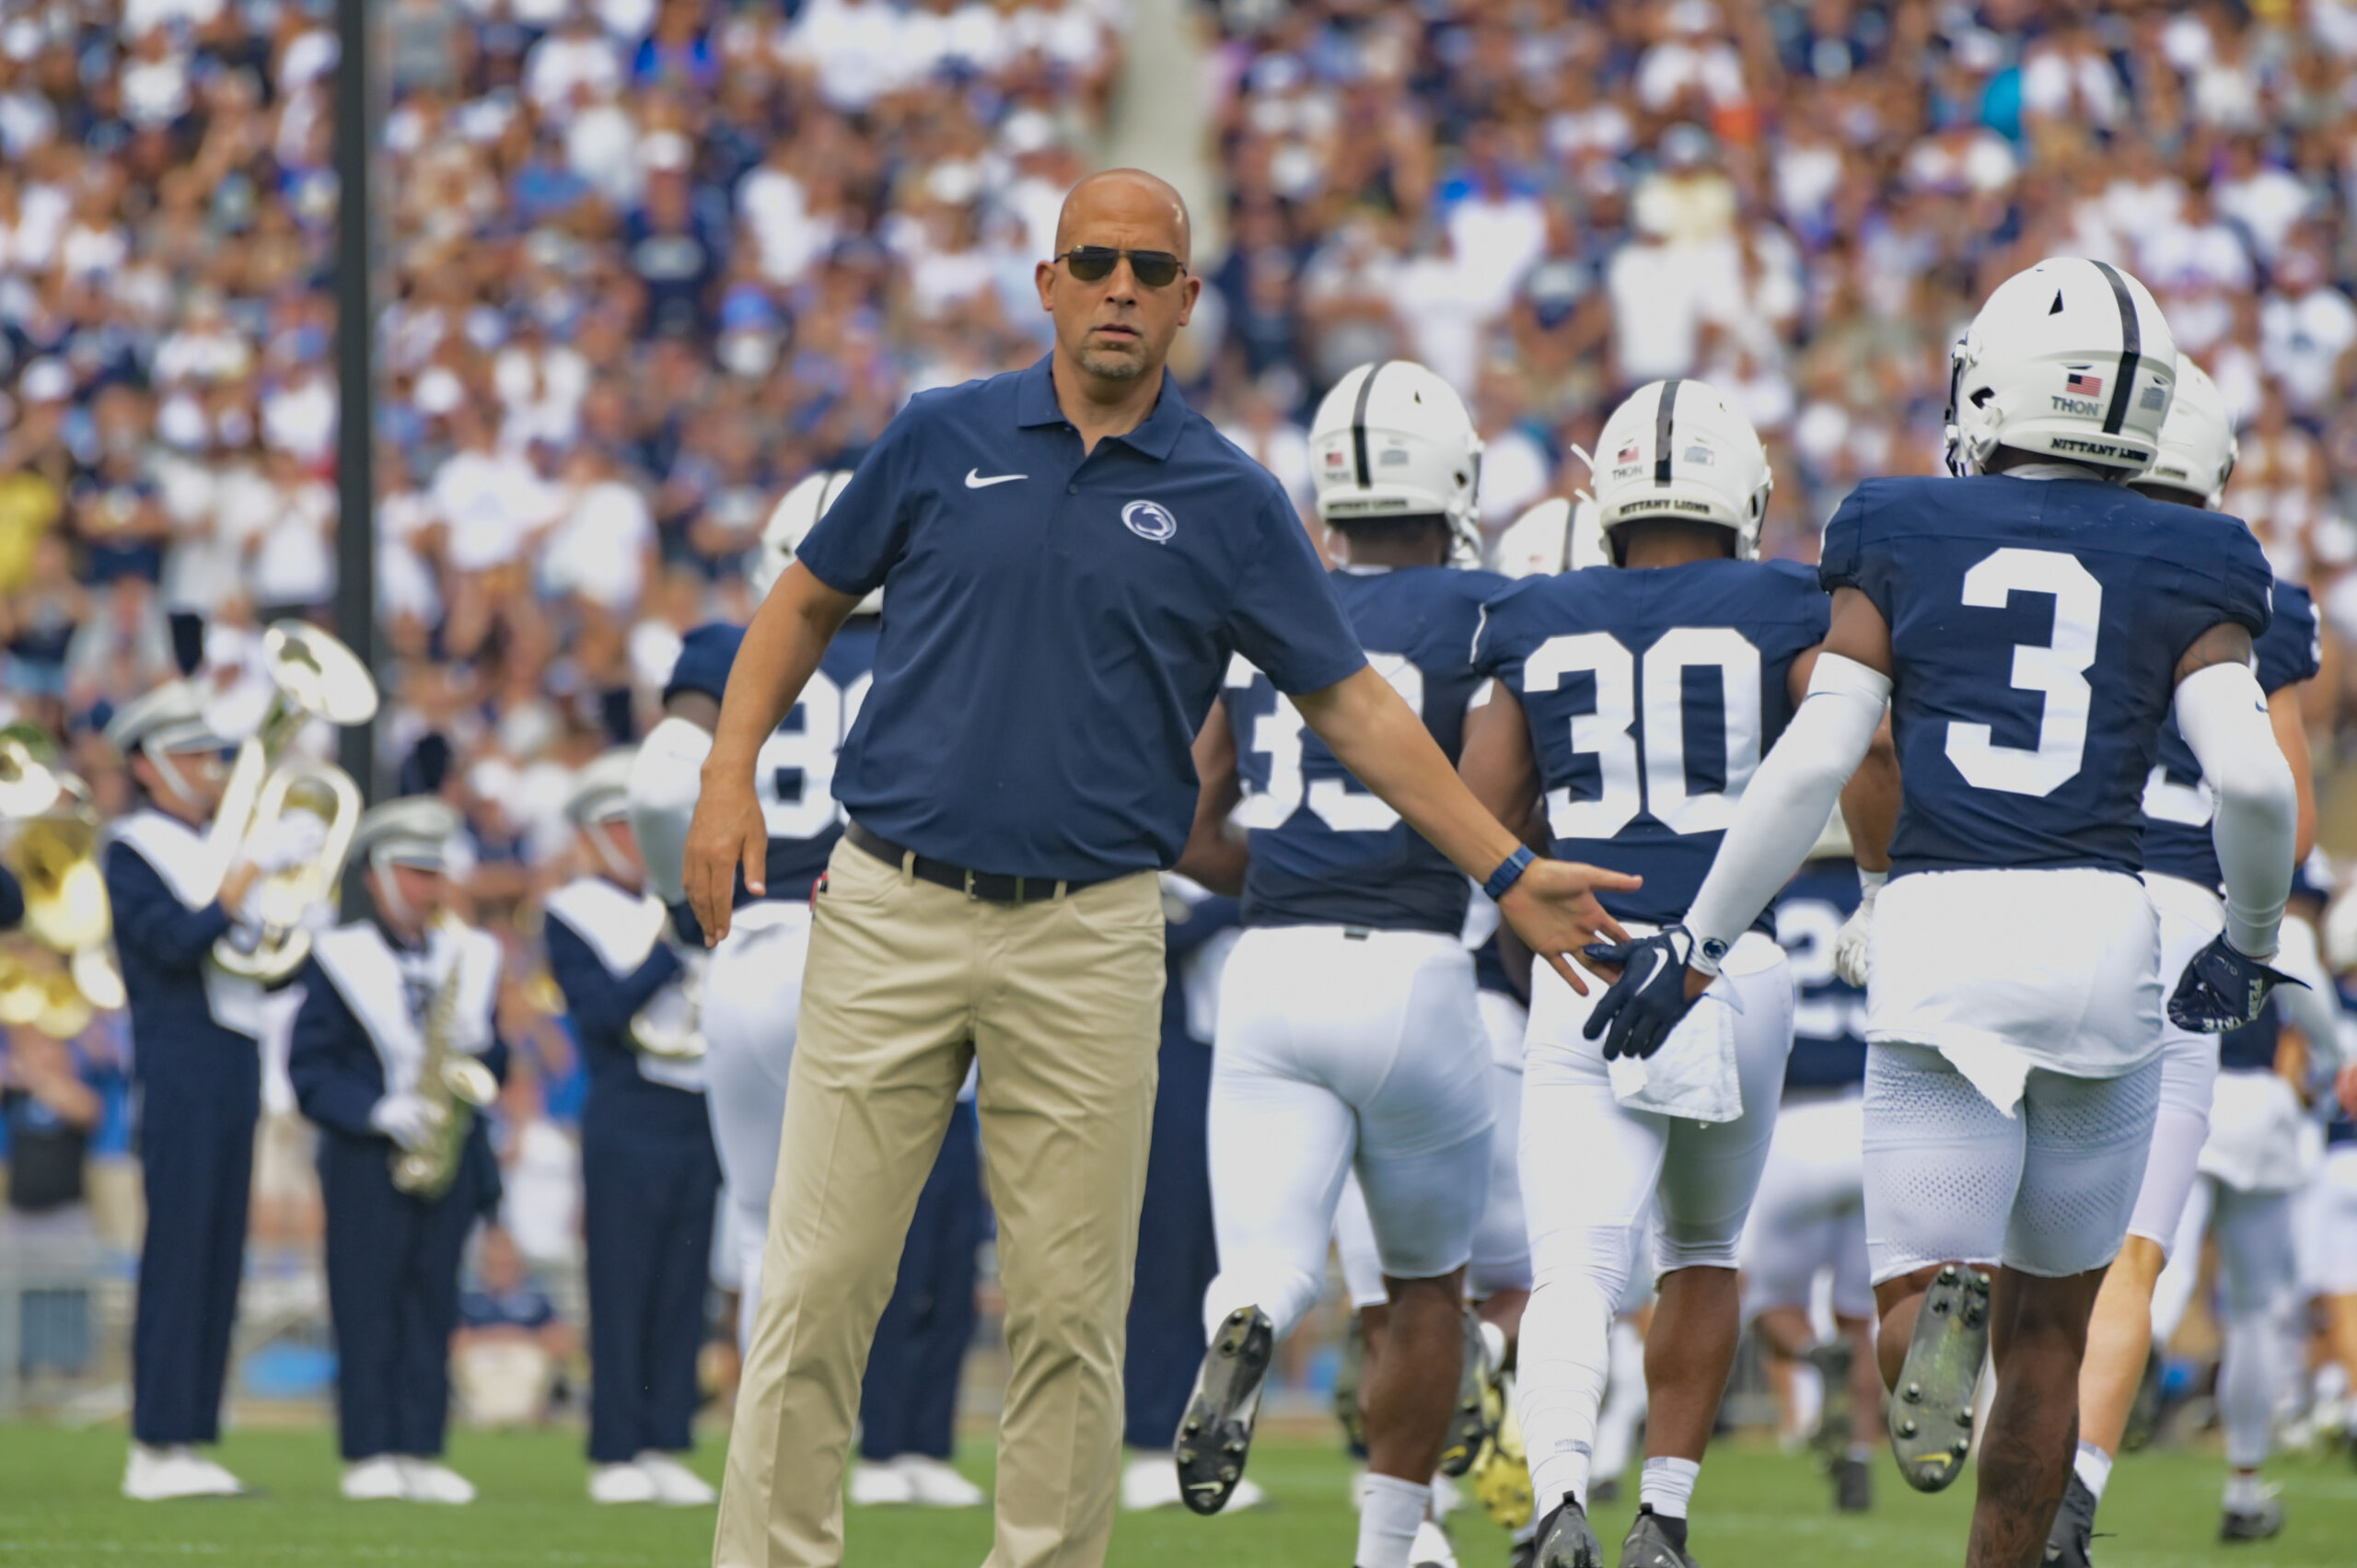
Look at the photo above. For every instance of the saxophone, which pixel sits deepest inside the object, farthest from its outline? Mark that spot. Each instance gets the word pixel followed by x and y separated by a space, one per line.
pixel 454 1084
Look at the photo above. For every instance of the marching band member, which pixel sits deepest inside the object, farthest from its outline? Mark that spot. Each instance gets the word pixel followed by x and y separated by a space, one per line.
pixel 395 1049
pixel 198 1078
pixel 649 1175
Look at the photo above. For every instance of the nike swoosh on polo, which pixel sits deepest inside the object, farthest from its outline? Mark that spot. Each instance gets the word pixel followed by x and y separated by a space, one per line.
pixel 974 480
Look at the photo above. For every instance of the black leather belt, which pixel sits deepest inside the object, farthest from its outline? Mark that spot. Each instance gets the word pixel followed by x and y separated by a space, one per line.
pixel 989 886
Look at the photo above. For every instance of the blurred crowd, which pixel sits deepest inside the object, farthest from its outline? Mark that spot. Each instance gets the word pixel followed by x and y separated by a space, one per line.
pixel 647 262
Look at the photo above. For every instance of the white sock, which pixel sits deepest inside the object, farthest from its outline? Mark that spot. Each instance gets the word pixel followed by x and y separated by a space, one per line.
pixel 2245 1492
pixel 1389 1511
pixel 1668 1486
pixel 1565 1348
pixel 2094 1467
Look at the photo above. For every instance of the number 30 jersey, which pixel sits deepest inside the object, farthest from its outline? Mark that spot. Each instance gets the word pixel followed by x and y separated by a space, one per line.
pixel 2035 627
pixel 1651 696
pixel 1324 851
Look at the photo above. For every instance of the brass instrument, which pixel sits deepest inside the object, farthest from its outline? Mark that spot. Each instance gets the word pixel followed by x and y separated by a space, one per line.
pixel 317 677
pixel 455 1086
pixel 54 852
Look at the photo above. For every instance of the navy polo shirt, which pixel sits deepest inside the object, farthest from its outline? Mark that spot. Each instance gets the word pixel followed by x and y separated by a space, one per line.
pixel 1056 626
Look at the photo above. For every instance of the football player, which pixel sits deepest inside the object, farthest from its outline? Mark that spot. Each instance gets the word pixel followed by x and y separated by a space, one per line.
pixel 2029 623
pixel 1349 1033
pixel 1811 1212
pixel 2196 456
pixel 1635 704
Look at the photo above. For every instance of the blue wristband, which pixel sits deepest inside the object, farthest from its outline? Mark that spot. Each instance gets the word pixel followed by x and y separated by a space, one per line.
pixel 1509 871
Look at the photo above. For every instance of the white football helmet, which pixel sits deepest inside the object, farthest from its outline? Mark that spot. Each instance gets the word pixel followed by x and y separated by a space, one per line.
pixel 1558 535
pixel 790 523
pixel 1393 440
pixel 2071 360
pixel 1677 450
pixel 2198 446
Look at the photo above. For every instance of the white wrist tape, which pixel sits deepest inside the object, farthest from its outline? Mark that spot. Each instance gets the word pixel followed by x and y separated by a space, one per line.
pixel 1789 797
pixel 2222 715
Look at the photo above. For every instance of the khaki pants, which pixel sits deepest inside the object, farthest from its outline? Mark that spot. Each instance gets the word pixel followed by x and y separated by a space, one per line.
pixel 1060 1002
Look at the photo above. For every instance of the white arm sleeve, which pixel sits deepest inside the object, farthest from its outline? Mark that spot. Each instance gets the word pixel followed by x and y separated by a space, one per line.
pixel 664 779
pixel 2222 715
pixel 1787 804
pixel 2314 1011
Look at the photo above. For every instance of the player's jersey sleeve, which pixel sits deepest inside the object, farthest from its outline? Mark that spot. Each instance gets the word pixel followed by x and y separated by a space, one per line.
pixel 2221 576
pixel 1853 556
pixel 2292 648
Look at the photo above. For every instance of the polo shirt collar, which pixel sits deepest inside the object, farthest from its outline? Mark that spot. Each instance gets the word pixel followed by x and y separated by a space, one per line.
pixel 1157 437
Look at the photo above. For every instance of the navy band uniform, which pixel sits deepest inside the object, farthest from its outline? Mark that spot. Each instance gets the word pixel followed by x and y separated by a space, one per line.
pixel 196 1074
pixel 355 1060
pixel 649 1175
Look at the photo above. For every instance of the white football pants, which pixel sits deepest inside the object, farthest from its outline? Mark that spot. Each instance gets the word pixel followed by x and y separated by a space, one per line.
pixel 1341 1050
pixel 2190 915
pixel 2258 1269
pixel 1592 1172
pixel 1811 1211
pixel 752 999
pixel 1501 1258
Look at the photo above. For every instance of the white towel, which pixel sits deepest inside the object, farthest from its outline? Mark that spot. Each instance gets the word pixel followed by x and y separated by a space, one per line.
pixel 1693 1075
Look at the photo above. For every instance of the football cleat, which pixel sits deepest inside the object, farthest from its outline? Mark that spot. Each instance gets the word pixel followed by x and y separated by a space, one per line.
pixel 1215 1436
pixel 1474 1420
pixel 2261 1521
pixel 2070 1544
pixel 1501 1471
pixel 2223 990
pixel 1931 1412
pixel 1566 1541
pixel 1853 1486
pixel 1656 1542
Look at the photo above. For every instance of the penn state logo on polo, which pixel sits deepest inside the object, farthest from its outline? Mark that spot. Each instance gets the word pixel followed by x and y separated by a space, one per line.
pixel 1149 520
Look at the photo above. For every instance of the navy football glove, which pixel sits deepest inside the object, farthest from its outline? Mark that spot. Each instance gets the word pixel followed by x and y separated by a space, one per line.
pixel 2223 990
pixel 1649 998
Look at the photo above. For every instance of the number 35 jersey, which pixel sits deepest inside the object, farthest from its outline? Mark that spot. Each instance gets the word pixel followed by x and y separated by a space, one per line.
pixel 1324 851
pixel 2035 627
pixel 1651 696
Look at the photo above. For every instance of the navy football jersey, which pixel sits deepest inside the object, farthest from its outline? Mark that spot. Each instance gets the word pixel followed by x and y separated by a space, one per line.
pixel 794 773
pixel 1651 697
pixel 1324 851
pixel 2178 804
pixel 1830 1017
pixel 2035 627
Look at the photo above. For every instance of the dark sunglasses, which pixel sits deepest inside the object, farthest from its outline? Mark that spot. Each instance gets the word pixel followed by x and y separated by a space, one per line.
pixel 1094 263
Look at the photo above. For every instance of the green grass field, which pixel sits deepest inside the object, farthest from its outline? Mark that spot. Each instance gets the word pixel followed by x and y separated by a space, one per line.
pixel 59 1507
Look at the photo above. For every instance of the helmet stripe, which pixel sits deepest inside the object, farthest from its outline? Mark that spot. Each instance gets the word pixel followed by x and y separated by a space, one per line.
pixel 1358 424
pixel 1664 426
pixel 2131 350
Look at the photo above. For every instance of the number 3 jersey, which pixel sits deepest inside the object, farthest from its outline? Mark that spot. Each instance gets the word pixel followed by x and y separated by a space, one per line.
pixel 1651 695
pixel 2035 627
pixel 1324 851
pixel 2178 804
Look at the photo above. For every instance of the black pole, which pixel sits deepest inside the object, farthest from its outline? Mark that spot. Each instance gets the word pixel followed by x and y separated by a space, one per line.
pixel 355 480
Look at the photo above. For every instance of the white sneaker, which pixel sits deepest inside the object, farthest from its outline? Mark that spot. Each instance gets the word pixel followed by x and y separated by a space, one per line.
pixel 157 1475
pixel 675 1484
pixel 879 1486
pixel 431 1480
pixel 1150 1481
pixel 933 1484
pixel 1432 1548
pixel 375 1481
pixel 621 1484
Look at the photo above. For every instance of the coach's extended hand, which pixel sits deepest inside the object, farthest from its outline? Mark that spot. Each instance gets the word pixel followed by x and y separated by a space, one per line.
pixel 1378 737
